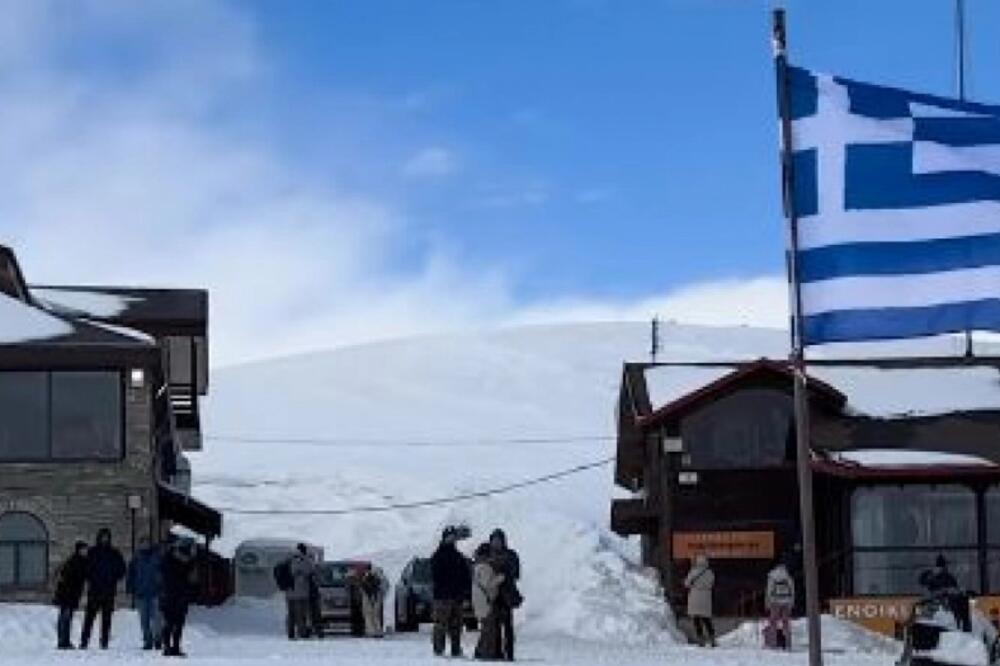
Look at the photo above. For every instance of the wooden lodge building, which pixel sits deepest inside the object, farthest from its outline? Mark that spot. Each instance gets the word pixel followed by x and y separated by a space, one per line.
pixel 901 459
pixel 99 393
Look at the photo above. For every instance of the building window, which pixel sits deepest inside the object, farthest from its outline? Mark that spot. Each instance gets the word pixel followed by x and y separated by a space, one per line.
pixel 746 430
pixel 899 531
pixel 61 416
pixel 24 551
pixel 86 415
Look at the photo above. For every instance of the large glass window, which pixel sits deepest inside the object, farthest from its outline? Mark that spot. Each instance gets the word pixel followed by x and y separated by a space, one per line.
pixel 60 415
pixel 24 423
pixel 86 415
pixel 24 551
pixel 747 429
pixel 992 501
pixel 899 531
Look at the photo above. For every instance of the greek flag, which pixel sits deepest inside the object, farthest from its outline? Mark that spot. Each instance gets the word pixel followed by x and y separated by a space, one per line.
pixel 898 197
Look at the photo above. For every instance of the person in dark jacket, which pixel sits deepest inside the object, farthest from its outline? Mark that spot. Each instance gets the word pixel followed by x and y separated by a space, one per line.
pixel 452 581
pixel 69 590
pixel 144 583
pixel 179 589
pixel 507 564
pixel 939 581
pixel 105 569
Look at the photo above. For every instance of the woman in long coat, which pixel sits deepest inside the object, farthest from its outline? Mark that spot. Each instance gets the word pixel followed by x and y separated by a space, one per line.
pixel 699 582
pixel 486 584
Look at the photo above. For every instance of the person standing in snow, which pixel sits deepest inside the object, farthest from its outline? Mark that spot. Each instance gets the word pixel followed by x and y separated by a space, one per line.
pixel 486 584
pixel 779 598
pixel 452 581
pixel 179 590
pixel 374 587
pixel 105 569
pixel 145 582
pixel 699 582
pixel 303 572
pixel 69 589
pixel 507 563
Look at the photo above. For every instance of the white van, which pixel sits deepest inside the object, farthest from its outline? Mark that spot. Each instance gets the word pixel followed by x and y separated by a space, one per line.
pixel 254 562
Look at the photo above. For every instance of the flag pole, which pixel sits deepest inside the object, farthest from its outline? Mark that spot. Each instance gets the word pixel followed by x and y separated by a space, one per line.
pixel 803 451
pixel 970 350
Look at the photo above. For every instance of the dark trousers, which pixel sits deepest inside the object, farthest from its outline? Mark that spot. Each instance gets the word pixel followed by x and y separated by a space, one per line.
pixel 447 623
pixel 505 629
pixel 297 619
pixel 64 625
pixel 488 646
pixel 106 607
pixel 704 630
pixel 174 618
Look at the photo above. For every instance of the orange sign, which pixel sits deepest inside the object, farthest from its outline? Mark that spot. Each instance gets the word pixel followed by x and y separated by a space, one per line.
pixel 724 545
pixel 887 615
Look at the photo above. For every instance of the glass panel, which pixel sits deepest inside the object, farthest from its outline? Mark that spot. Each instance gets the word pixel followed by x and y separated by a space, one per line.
pixel 201 363
pixel 24 429
pixel 747 429
pixel 993 569
pixel 923 515
pixel 898 572
pixel 21 527
pixel 993 515
pixel 6 564
pixel 86 415
pixel 32 566
pixel 179 354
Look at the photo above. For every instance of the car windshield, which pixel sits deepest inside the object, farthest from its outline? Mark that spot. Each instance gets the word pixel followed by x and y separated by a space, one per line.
pixel 332 574
pixel 421 571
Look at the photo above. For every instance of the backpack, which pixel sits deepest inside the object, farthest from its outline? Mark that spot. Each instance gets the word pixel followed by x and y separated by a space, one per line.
pixel 781 590
pixel 283 575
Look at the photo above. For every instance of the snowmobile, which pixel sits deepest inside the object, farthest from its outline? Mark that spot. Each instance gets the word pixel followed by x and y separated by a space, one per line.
pixel 946 629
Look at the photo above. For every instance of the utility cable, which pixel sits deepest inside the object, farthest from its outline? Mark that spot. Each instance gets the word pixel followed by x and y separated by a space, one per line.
pixel 440 501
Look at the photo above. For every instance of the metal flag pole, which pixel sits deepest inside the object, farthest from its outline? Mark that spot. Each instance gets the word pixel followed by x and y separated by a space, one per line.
pixel 960 85
pixel 803 451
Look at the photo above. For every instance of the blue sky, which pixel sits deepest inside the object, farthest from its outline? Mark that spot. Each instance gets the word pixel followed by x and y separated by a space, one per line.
pixel 337 172
pixel 609 148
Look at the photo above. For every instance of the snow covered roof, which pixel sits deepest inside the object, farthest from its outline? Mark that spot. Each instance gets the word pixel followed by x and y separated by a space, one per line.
pixel 129 306
pixel 870 391
pixel 909 458
pixel 20 322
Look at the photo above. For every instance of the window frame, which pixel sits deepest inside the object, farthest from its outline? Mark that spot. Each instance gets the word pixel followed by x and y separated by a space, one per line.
pixel 18 545
pixel 50 458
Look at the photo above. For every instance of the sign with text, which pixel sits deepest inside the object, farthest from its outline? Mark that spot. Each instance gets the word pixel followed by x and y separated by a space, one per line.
pixel 732 545
pixel 887 615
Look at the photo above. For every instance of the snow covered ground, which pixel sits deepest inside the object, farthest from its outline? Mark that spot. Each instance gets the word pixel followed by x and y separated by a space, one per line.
pixel 244 633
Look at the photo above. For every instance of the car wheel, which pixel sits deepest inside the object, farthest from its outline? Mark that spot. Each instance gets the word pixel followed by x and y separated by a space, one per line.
pixel 405 625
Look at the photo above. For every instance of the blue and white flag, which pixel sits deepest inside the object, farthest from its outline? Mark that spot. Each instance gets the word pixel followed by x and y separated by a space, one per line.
pixel 898 197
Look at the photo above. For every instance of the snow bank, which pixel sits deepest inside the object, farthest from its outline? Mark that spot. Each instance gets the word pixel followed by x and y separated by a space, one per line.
pixel 838 636
pixel 960 649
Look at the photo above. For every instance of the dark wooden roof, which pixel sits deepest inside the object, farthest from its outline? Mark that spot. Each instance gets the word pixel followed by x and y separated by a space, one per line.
pixel 765 371
pixel 155 311
pixel 915 473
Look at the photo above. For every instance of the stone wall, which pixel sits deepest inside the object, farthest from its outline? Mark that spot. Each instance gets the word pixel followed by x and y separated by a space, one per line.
pixel 75 499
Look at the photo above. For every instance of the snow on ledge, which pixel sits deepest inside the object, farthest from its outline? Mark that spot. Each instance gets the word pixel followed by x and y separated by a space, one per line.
pixel 82 302
pixel 904 458
pixel 20 322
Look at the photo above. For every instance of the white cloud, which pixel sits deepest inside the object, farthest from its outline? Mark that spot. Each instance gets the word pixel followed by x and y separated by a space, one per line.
pixel 761 301
pixel 126 176
pixel 431 162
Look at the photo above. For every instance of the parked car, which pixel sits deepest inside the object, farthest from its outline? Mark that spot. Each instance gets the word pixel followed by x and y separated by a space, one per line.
pixel 337 601
pixel 415 597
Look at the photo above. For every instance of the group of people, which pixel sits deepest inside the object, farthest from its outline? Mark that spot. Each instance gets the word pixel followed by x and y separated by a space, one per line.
pixel 492 585
pixel 779 599
pixel 302 596
pixel 161 580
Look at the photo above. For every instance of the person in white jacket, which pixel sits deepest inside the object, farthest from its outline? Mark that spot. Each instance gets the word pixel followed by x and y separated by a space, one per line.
pixel 700 582
pixel 485 589
pixel 373 586
pixel 779 598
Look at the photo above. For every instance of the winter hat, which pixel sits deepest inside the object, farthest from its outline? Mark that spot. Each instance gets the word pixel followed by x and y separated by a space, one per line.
pixel 498 534
pixel 302 548
pixel 80 545
pixel 941 562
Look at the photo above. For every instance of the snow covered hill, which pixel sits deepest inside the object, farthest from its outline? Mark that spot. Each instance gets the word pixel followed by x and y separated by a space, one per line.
pixel 424 418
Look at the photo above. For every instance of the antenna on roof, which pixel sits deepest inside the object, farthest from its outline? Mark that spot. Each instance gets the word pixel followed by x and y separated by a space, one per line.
pixel 654 338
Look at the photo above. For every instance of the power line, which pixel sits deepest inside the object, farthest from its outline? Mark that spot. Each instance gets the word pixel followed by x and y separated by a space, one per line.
pixel 355 441
pixel 440 501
